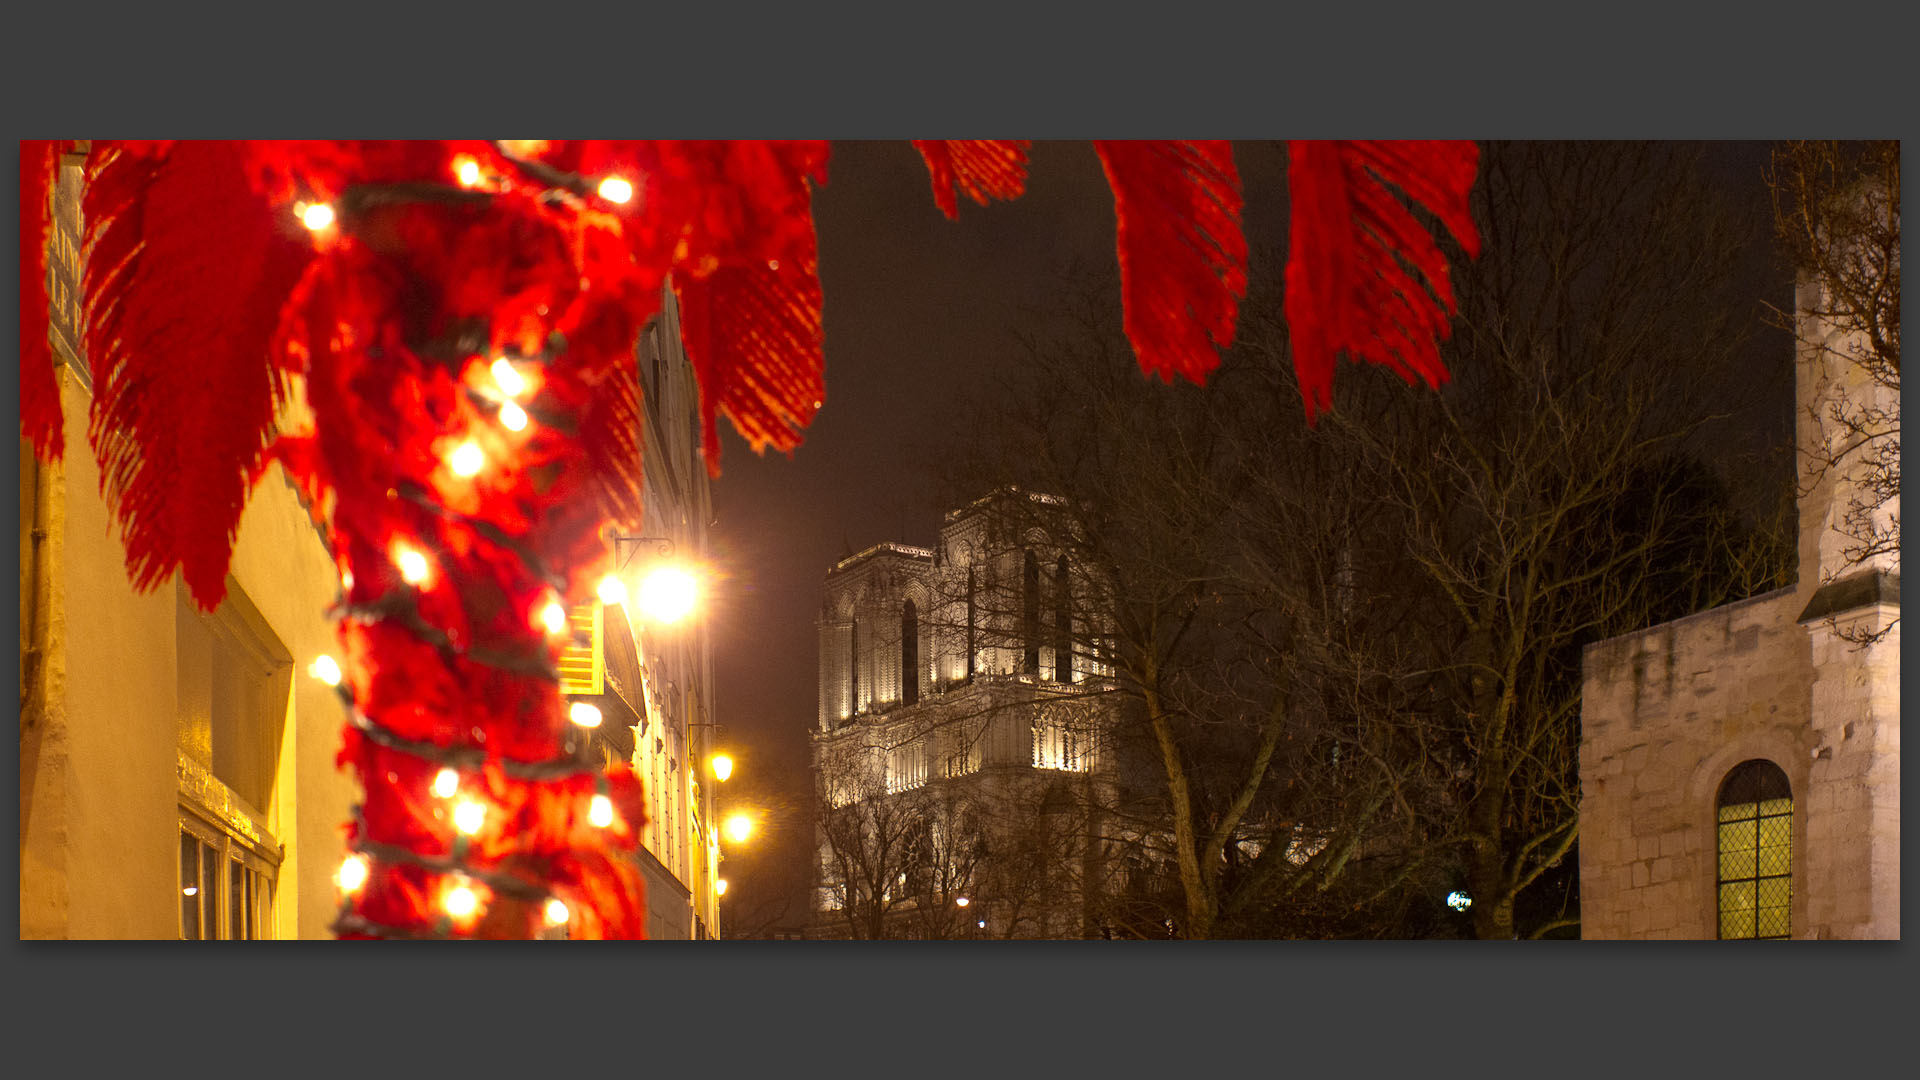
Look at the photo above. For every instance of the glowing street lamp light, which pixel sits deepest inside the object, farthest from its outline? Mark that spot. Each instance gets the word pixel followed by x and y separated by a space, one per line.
pixel 722 766
pixel 668 594
pixel 1459 901
pixel 739 827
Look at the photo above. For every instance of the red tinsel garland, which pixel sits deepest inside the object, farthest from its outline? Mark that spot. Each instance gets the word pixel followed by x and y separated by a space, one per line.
pixel 396 278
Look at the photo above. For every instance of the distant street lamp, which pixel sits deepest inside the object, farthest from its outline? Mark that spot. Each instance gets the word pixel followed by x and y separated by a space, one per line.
pixel 1459 901
pixel 722 766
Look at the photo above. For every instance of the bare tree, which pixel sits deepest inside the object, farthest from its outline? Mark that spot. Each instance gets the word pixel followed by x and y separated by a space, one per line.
pixel 1355 648
pixel 936 861
pixel 1546 499
pixel 1219 672
pixel 1837 218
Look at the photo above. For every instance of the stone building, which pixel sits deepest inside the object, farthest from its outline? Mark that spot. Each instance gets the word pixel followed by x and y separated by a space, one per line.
pixel 1740 767
pixel 961 754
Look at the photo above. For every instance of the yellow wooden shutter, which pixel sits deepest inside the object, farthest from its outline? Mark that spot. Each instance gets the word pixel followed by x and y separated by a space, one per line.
pixel 583 665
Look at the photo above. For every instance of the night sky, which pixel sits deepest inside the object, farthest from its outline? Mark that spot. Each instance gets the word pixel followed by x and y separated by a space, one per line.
pixel 920 311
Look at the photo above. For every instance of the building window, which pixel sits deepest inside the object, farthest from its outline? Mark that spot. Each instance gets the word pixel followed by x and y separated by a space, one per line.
pixel 909 653
pixel 907 767
pixel 1057 745
pixel 226 884
pixel 853 665
pixel 972 621
pixel 1062 624
pixel 1030 616
pixel 1756 852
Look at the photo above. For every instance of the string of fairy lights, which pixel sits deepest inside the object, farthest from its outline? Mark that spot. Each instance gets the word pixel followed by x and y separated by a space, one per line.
pixel 505 386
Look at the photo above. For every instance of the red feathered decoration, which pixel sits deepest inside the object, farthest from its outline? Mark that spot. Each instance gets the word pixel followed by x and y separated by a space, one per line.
pixel 753 335
pixel 981 168
pixel 40 419
pixel 1183 259
pixel 186 272
pixel 465 331
pixel 1347 282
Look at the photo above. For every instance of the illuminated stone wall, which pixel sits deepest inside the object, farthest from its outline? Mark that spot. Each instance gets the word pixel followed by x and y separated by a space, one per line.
pixel 1667 712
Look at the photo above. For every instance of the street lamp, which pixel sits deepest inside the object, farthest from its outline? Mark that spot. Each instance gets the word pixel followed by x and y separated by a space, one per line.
pixel 668 592
pixel 739 827
pixel 722 766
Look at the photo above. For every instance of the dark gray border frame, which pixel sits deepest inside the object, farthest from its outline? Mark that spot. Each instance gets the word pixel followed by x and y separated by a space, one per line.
pixel 1495 71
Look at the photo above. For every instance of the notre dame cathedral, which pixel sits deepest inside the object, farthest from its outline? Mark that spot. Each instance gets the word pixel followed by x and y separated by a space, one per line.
pixel 961 759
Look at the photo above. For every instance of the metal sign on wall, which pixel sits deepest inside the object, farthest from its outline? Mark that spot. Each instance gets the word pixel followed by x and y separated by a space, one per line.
pixel 63 269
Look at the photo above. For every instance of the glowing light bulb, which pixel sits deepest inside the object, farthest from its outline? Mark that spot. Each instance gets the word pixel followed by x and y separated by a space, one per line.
pixel 614 189
pixel 326 669
pixel 353 873
pixel 584 714
pixel 467 170
pixel 557 913
pixel 722 766
pixel 513 417
pixel 512 383
pixel 962 901
pixel 467 459
pixel 555 618
pixel 469 816
pixel 316 216
pixel 600 811
pixel 720 887
pixel 412 564
pixel 461 902
pixel 612 590
pixel 668 594
pixel 739 827
pixel 446 783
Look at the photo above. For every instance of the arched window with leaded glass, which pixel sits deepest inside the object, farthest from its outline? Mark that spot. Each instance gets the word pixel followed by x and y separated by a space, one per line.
pixel 1755 840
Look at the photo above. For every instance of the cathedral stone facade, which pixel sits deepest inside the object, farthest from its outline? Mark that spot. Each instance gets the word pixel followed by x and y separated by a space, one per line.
pixel 1740 768
pixel 960 756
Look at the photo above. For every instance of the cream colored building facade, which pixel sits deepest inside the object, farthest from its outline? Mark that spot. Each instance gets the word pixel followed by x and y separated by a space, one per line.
pixel 1682 834
pixel 656 688
pixel 176 768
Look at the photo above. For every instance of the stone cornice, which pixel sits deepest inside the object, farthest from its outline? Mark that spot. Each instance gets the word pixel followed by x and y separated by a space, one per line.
pixel 1864 589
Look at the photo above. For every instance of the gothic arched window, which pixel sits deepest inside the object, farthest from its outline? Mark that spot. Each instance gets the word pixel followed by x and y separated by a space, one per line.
pixel 1062 624
pixel 1030 617
pixel 973 619
pixel 909 653
pixel 1755 843
pixel 853 665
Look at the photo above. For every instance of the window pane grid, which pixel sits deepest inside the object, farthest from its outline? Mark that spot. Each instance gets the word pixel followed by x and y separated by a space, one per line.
pixel 1755 849
pixel 226 886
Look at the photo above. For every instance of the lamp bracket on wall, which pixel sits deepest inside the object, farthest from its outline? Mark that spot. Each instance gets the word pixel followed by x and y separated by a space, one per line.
pixel 663 545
